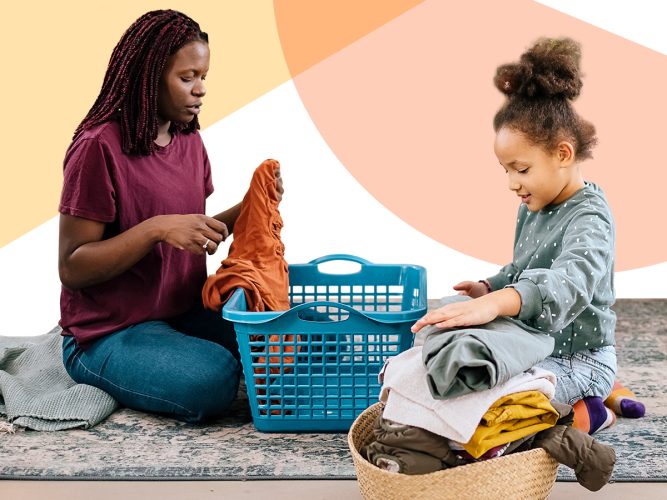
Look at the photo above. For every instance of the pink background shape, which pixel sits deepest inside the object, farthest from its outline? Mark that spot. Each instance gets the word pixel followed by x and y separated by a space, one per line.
pixel 408 111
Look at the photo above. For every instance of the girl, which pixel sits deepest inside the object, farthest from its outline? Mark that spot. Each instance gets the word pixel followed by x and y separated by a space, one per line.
pixel 560 281
pixel 134 237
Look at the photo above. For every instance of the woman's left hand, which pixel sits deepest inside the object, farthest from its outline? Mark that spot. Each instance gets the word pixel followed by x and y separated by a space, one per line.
pixel 279 184
pixel 468 313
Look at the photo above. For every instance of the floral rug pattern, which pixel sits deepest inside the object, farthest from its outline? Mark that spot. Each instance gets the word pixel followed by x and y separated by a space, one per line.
pixel 130 445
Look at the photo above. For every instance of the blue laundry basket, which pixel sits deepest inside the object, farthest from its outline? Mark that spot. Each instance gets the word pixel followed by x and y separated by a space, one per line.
pixel 315 366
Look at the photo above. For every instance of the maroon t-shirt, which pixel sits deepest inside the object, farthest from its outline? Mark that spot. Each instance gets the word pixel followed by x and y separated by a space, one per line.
pixel 104 184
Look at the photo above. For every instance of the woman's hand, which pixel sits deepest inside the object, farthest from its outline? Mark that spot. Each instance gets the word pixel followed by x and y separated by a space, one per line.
pixel 194 233
pixel 468 313
pixel 86 259
pixel 472 289
pixel 279 184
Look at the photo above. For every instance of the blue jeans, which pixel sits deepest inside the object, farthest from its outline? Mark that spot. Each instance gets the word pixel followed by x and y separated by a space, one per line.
pixel 583 374
pixel 186 368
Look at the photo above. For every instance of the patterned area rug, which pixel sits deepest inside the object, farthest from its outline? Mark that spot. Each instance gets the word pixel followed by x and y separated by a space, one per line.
pixel 134 446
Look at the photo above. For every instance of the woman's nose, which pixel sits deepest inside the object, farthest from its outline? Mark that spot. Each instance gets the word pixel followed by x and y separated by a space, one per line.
pixel 199 89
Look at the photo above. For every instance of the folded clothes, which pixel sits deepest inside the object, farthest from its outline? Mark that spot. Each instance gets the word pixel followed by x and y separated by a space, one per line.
pixel 409 401
pixel 408 450
pixel 461 361
pixel 511 418
pixel 411 450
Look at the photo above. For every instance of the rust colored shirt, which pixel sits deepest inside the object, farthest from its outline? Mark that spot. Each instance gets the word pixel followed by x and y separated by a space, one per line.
pixel 256 261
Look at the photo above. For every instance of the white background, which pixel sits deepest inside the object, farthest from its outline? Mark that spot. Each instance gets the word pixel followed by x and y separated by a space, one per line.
pixel 325 210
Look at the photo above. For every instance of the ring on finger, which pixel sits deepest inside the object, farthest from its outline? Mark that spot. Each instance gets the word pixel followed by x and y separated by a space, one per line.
pixel 205 245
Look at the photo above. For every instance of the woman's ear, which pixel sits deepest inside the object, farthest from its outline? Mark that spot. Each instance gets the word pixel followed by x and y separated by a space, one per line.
pixel 565 153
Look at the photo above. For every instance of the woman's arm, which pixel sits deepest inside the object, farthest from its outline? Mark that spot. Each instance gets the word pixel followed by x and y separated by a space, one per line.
pixel 229 216
pixel 85 259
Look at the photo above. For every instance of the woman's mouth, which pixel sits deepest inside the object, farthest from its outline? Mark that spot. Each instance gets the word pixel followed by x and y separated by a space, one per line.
pixel 194 109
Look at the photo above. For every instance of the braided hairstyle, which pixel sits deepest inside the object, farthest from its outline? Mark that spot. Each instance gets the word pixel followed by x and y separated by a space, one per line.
pixel 539 89
pixel 130 90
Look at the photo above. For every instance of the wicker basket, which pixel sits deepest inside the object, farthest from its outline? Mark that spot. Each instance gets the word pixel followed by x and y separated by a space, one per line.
pixel 524 475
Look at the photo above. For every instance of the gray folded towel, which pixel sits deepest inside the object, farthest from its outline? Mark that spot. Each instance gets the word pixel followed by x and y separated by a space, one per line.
pixel 37 393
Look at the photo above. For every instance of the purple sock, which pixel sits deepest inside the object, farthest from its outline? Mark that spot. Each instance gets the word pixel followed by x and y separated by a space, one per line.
pixel 632 409
pixel 591 415
pixel 624 402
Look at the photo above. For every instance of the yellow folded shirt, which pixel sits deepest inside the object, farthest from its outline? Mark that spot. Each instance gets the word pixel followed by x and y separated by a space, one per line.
pixel 510 418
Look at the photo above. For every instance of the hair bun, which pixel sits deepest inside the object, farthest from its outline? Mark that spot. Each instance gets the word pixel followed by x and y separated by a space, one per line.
pixel 550 68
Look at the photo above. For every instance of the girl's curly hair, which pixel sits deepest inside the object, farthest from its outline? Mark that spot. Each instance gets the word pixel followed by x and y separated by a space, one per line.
pixel 539 89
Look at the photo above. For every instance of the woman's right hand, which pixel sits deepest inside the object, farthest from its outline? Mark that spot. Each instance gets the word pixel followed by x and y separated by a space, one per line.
pixel 195 233
pixel 472 289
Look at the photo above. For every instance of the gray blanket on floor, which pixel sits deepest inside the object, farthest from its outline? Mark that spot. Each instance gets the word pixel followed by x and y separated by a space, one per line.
pixel 37 393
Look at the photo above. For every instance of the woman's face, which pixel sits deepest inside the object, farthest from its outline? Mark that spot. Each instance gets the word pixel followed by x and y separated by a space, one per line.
pixel 182 83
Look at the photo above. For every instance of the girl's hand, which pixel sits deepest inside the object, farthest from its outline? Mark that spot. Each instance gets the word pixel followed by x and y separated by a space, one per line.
pixel 468 313
pixel 195 233
pixel 472 289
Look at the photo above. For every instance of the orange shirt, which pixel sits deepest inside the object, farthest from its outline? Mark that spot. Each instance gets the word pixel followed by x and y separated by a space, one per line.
pixel 256 261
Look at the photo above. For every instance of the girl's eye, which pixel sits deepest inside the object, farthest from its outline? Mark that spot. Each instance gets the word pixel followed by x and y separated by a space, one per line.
pixel 523 171
pixel 186 80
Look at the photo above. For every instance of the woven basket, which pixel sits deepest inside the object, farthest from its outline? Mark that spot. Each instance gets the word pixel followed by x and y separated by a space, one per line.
pixel 525 475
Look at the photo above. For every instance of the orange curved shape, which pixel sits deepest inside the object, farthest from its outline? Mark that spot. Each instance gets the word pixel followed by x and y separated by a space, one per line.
pixel 408 110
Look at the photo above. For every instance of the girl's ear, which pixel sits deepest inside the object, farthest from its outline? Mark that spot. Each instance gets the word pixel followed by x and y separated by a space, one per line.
pixel 565 152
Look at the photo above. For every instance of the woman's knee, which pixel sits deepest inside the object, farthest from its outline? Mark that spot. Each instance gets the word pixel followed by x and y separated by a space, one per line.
pixel 209 389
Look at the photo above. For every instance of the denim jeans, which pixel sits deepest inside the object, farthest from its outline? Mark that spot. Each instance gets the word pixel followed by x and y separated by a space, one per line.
pixel 583 374
pixel 186 368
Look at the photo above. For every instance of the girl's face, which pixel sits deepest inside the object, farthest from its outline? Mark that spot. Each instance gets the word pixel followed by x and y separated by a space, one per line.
pixel 537 176
pixel 182 83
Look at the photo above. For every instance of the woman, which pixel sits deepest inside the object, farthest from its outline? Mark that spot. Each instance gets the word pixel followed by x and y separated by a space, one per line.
pixel 134 237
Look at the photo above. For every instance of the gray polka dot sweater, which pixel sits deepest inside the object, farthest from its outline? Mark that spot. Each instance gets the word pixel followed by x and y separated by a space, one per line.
pixel 563 269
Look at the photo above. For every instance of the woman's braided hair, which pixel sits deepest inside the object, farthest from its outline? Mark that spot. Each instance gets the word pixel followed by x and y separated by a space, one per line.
pixel 130 90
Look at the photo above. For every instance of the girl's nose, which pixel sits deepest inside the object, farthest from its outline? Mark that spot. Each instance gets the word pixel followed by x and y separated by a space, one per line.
pixel 513 184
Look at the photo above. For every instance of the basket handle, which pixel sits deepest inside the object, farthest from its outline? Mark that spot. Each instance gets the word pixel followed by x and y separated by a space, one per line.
pixel 355 320
pixel 340 256
pixel 325 303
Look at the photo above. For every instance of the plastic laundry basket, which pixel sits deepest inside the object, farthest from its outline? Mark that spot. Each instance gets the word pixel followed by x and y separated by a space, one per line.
pixel 315 366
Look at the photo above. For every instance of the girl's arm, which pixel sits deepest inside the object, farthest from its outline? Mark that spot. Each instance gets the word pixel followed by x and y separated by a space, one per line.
pixel 85 259
pixel 553 297
pixel 503 277
pixel 505 302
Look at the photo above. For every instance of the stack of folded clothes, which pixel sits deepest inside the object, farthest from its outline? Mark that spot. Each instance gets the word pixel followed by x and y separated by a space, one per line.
pixel 461 411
